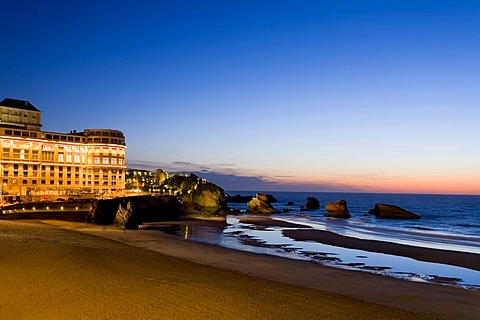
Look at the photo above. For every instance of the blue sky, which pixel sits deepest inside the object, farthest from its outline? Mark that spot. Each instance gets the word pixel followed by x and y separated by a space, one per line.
pixel 376 96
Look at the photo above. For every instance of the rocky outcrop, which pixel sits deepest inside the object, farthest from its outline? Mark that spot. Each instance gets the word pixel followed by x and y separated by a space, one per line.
pixel 239 198
pixel 260 205
pixel 147 208
pixel 337 209
pixel 312 203
pixel 204 199
pixel 125 218
pixel 393 212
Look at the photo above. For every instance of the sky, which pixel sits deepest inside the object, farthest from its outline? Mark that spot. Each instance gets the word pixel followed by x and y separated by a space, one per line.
pixel 350 96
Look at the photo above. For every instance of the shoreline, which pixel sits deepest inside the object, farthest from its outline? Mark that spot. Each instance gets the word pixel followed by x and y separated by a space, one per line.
pixel 305 233
pixel 449 301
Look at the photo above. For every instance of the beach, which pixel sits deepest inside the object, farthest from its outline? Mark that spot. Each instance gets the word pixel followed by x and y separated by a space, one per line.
pixel 58 269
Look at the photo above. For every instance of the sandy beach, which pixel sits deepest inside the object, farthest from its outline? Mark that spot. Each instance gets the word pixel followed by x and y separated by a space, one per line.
pixel 60 270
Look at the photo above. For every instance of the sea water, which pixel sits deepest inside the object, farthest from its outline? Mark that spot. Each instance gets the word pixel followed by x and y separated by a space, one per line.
pixel 449 222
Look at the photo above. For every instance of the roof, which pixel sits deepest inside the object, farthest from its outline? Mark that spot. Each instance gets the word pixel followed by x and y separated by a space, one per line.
pixel 18 104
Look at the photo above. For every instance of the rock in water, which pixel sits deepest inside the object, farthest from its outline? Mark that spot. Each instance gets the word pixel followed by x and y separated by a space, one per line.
pixel 312 203
pixel 338 209
pixel 260 205
pixel 393 212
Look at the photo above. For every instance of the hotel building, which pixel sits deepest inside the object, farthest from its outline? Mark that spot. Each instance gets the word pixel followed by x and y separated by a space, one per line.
pixel 36 164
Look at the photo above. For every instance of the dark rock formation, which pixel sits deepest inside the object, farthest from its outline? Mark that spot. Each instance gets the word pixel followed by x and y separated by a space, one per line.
pixel 337 209
pixel 238 198
pixel 260 205
pixel 271 199
pixel 125 218
pixel 290 203
pixel 147 208
pixel 204 199
pixel 312 203
pixel 393 212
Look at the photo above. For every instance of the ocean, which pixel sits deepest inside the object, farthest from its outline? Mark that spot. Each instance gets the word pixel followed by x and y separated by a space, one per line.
pixel 449 222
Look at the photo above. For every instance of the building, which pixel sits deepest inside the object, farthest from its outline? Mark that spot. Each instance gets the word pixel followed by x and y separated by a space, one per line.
pixel 36 164
pixel 137 180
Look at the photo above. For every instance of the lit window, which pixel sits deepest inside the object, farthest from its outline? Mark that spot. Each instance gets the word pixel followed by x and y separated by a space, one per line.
pixel 60 157
pixel 97 160
pixel 105 161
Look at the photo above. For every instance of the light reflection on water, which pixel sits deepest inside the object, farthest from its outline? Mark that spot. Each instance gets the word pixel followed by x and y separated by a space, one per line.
pixel 270 240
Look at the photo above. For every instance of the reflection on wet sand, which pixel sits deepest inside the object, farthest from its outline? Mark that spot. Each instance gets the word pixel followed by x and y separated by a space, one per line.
pixel 284 239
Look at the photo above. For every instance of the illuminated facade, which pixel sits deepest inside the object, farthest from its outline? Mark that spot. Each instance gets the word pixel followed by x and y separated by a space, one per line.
pixel 39 164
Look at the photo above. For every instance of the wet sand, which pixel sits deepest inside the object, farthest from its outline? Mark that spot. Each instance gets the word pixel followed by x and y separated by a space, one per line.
pixel 50 272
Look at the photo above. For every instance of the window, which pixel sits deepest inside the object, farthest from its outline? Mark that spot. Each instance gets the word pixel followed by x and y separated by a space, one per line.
pixel 120 161
pixel 60 157
pixel 24 181
pixel 76 158
pixel 47 155
pixel 25 167
pixel 16 153
pixel 69 157
pixel 34 181
pixel 42 182
pixel 34 154
pixel 105 160
pixel 97 160
pixel 114 160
